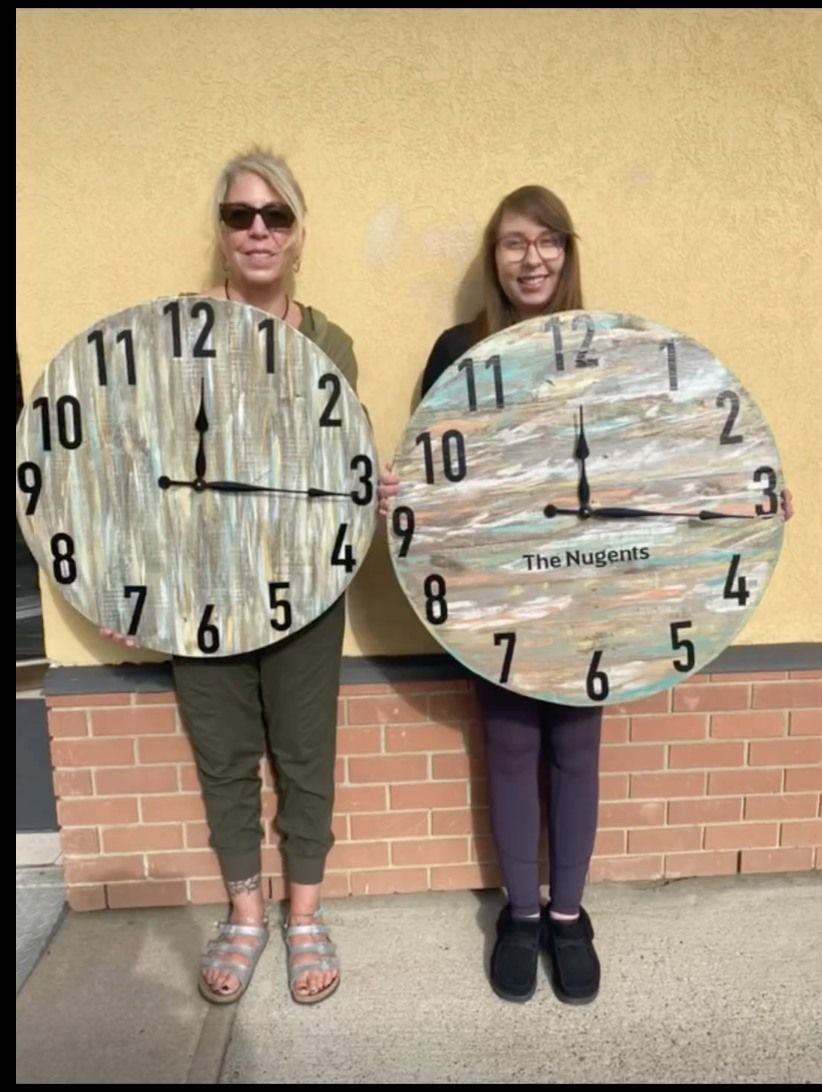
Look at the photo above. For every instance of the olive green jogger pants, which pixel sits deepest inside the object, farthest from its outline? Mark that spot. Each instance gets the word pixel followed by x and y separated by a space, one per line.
pixel 285 694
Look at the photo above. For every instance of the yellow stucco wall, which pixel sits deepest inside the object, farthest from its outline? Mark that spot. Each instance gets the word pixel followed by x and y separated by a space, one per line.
pixel 687 146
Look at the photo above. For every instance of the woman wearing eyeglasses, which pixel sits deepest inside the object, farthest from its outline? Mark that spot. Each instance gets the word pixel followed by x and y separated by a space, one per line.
pixel 286 693
pixel 530 265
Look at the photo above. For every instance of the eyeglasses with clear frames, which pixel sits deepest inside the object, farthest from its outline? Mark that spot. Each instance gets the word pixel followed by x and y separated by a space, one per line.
pixel 548 246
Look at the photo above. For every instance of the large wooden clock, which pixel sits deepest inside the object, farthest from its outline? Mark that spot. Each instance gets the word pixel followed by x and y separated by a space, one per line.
pixel 196 474
pixel 588 508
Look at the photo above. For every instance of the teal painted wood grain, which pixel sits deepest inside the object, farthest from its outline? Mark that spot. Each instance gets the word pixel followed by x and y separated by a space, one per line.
pixel 568 587
pixel 195 549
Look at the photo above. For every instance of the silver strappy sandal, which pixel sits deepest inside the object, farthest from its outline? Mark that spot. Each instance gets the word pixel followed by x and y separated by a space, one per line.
pixel 221 946
pixel 324 948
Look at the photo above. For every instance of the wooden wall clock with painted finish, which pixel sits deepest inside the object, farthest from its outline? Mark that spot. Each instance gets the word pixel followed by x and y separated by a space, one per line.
pixel 588 509
pixel 196 474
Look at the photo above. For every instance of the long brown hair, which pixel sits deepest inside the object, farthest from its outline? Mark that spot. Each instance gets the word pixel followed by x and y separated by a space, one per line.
pixel 546 208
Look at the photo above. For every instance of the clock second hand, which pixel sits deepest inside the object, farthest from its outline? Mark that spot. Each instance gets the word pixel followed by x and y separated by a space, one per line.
pixel 198 485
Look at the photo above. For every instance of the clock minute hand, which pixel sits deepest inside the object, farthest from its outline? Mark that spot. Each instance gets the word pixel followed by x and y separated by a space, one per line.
pixel 242 487
pixel 198 485
pixel 644 513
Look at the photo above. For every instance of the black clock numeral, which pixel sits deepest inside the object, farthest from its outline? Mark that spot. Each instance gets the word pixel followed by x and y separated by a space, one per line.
pixel 467 366
pixel 732 398
pixel 582 360
pixel 343 552
pixel 45 424
pixel 69 421
pixel 124 338
pixel 581 357
pixel 596 681
pixel 208 636
pixel 768 474
pixel 424 438
pixel 266 328
pixel 453 455
pixel 740 593
pixel 30 481
pixel 173 309
pixel 65 567
pixel 669 347
pixel 556 331
pixel 436 607
pixel 332 381
pixel 493 362
pixel 678 642
pixel 283 621
pixel 201 349
pixel 510 641
pixel 141 591
pixel 366 479
pixel 402 522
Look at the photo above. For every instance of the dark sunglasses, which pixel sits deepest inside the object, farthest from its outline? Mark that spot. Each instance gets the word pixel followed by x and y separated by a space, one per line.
pixel 240 217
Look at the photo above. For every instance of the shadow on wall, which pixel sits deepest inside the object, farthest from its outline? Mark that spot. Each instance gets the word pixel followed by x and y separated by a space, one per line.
pixel 467 304
pixel 29 642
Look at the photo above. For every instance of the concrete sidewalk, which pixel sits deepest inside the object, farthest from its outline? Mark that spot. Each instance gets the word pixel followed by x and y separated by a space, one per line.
pixel 706 980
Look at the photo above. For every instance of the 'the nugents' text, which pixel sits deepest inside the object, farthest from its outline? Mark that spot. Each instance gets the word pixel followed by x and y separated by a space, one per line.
pixel 598 558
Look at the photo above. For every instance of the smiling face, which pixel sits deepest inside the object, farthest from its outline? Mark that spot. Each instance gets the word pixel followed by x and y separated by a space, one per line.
pixel 258 255
pixel 529 258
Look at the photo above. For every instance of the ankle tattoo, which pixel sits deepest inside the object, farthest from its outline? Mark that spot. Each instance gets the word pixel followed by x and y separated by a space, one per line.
pixel 244 887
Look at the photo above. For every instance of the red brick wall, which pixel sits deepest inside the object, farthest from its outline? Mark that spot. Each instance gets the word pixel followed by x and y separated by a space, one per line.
pixel 721 775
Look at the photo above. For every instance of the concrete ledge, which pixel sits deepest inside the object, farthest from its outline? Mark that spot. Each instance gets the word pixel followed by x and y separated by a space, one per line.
pixel 123 678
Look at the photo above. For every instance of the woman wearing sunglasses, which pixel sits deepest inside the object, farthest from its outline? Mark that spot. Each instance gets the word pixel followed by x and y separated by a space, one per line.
pixel 286 693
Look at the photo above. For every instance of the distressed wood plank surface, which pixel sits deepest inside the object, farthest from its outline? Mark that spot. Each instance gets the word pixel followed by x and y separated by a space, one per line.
pixel 116 412
pixel 571 607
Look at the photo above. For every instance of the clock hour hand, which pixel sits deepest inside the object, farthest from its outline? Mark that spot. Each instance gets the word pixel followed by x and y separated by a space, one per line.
pixel 201 424
pixel 581 452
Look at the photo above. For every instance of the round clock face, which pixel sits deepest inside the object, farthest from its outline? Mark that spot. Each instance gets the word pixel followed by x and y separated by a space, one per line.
pixel 588 508
pixel 196 474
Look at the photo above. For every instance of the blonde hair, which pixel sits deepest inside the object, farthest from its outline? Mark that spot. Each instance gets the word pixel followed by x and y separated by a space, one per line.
pixel 546 208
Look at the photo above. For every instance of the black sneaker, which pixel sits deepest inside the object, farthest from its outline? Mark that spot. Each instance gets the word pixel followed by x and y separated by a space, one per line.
pixel 515 957
pixel 574 963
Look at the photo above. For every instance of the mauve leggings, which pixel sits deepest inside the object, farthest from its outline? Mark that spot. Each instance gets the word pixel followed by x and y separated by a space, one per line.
pixel 517 730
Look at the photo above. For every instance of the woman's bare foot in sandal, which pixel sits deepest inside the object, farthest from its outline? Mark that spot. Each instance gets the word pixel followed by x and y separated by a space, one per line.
pixel 247 909
pixel 317 981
